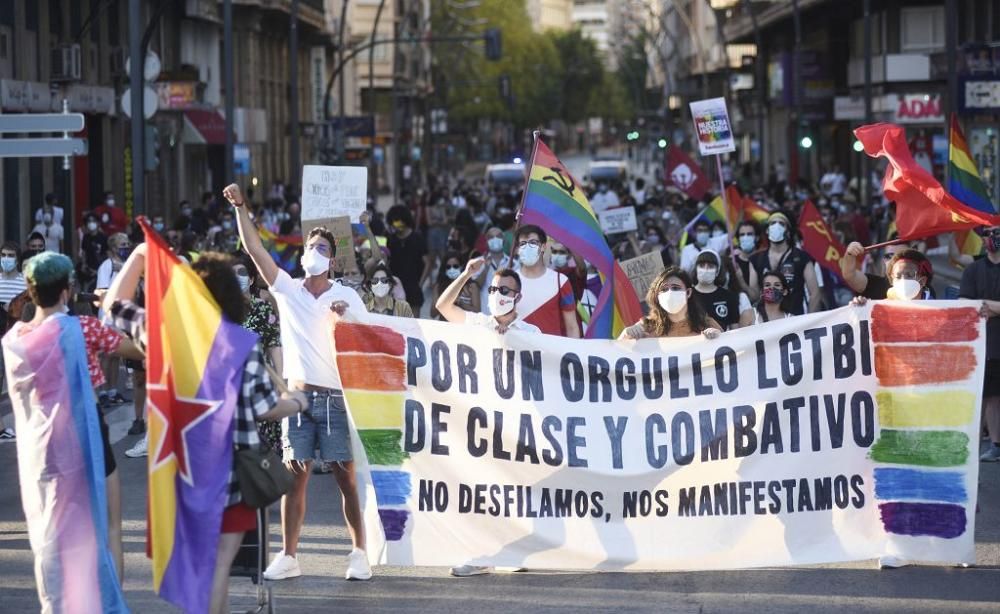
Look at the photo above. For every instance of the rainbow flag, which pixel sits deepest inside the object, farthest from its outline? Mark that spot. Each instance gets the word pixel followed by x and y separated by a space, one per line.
pixel 754 212
pixel 965 184
pixel 61 467
pixel 715 211
pixel 556 202
pixel 195 366
pixel 285 249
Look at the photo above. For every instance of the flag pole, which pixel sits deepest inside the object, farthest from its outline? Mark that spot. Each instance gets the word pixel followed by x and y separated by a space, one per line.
pixel 535 136
pixel 886 244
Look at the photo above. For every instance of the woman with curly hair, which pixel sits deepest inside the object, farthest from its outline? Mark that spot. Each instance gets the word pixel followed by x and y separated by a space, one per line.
pixel 672 313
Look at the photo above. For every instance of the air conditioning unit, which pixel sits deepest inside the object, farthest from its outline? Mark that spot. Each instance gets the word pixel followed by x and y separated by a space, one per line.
pixel 65 63
pixel 116 62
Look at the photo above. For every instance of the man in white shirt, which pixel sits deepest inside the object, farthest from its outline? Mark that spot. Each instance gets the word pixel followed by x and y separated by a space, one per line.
pixel 308 308
pixel 604 198
pixel 504 294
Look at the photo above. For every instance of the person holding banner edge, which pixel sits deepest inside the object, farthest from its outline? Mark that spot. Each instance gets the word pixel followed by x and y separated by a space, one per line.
pixel 305 306
pixel 672 313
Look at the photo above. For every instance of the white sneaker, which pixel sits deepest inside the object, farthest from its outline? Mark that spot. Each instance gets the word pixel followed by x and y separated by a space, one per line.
pixel 357 566
pixel 140 449
pixel 465 571
pixel 891 562
pixel 283 567
pixel 8 435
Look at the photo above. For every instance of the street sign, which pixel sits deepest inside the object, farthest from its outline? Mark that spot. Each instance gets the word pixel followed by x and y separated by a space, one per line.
pixel 42 148
pixel 150 100
pixel 41 122
pixel 359 125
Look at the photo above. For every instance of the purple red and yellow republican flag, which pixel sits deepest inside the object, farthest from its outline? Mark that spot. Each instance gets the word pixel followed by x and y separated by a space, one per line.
pixel 555 201
pixel 195 365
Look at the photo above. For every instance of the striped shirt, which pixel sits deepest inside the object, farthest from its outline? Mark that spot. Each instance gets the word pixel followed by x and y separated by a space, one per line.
pixel 9 288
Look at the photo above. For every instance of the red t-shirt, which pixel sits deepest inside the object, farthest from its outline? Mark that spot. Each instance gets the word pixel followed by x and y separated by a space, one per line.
pixel 116 220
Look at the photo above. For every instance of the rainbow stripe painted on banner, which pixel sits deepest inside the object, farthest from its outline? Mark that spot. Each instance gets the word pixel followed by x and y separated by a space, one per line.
pixel 372 365
pixel 924 418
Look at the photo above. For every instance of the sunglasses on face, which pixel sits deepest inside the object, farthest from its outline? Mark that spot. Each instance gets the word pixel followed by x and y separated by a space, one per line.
pixel 991 232
pixel 559 253
pixel 503 290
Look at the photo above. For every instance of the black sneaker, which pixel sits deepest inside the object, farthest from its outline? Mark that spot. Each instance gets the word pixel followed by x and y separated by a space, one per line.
pixel 7 434
pixel 138 427
pixel 118 399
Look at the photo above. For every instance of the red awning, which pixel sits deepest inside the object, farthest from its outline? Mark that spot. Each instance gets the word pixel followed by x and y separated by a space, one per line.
pixel 208 127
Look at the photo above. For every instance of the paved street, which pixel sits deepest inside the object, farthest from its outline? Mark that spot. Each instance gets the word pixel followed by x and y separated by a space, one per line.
pixel 856 587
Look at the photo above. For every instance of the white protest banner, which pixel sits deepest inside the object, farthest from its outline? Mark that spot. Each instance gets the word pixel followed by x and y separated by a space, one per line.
pixel 619 219
pixel 333 191
pixel 711 124
pixel 842 435
pixel 641 271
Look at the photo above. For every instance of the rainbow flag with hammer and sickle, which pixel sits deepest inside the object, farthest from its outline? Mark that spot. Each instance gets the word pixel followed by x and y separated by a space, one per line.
pixel 195 366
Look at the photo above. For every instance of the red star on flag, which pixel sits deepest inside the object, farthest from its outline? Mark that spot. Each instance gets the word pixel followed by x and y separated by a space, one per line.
pixel 178 415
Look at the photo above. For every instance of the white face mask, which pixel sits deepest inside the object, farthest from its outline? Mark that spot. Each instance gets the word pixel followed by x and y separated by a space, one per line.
pixel 673 301
pixel 718 233
pixel 776 232
pixel 381 290
pixel 495 244
pixel 244 282
pixel 701 238
pixel 748 243
pixel 91 226
pixel 559 260
pixel 315 263
pixel 906 289
pixel 501 305
pixel 529 254
pixel 707 275
pixel 8 264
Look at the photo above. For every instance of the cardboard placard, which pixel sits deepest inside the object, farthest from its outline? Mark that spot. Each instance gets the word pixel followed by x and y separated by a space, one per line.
pixel 344 261
pixel 617 220
pixel 642 270
pixel 711 124
pixel 333 191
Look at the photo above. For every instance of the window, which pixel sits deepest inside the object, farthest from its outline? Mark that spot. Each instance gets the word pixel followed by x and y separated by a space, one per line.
pixel 921 28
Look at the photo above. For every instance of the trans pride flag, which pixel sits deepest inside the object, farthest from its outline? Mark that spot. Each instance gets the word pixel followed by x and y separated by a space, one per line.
pixel 195 366
pixel 61 467
pixel 556 202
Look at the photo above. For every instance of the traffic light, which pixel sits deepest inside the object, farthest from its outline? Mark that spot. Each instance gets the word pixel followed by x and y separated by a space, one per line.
pixel 662 143
pixel 858 147
pixel 494 47
pixel 806 142
pixel 632 136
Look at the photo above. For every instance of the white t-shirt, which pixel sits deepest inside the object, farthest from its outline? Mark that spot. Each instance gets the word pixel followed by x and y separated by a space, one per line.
pixel 53 236
pixel 305 329
pixel 106 274
pixel 689 255
pixel 487 321
pixel 606 200
pixel 57 215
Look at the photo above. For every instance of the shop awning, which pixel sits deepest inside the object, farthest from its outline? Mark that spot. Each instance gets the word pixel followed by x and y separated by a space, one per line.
pixel 204 127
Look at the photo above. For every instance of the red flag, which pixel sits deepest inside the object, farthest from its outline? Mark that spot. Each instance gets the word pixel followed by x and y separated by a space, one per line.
pixel 923 207
pixel 818 241
pixel 684 173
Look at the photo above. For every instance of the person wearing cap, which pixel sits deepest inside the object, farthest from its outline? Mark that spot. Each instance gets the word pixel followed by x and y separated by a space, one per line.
pixel 721 304
pixel 782 256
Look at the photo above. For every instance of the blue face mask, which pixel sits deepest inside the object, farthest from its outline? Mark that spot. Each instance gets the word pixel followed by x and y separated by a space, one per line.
pixel 748 243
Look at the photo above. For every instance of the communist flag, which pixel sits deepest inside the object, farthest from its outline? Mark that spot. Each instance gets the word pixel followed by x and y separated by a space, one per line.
pixel 818 241
pixel 923 207
pixel 195 366
pixel 684 173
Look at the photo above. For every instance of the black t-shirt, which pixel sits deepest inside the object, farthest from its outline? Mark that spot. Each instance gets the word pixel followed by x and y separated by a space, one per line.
pixel 981 280
pixel 721 305
pixel 95 248
pixel 406 259
pixel 792 266
pixel 877 287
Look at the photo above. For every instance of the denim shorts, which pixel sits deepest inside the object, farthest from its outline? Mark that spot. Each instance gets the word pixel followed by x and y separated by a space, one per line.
pixel 323 427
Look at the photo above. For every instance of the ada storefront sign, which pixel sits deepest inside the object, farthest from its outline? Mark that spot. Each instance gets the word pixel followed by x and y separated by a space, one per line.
pixel 919 109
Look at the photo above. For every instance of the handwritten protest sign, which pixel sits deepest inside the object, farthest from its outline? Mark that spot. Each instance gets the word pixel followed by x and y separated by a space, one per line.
pixel 641 271
pixel 344 260
pixel 333 191
pixel 619 219
pixel 711 124
pixel 835 436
